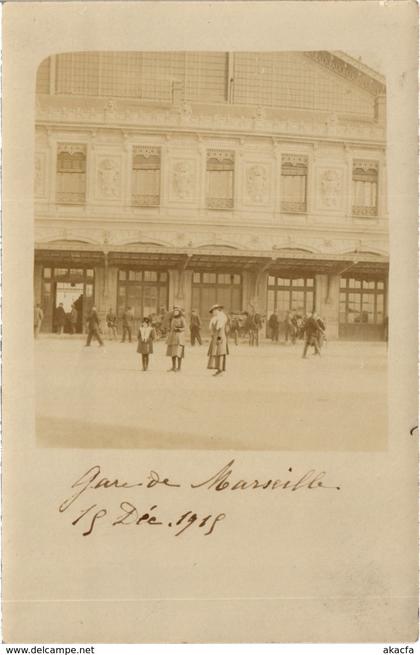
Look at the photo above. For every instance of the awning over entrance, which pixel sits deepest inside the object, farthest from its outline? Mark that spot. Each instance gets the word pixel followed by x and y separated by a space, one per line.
pixel 67 256
pixel 277 262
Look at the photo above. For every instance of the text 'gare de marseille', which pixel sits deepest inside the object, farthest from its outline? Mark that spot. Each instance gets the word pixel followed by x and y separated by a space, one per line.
pixel 253 180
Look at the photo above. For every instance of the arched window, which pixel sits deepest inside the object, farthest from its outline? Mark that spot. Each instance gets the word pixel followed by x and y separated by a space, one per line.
pixel 146 176
pixel 365 188
pixel 220 172
pixel 71 174
pixel 294 173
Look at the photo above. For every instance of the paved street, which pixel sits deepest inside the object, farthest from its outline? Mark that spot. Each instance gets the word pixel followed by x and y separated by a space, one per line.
pixel 269 398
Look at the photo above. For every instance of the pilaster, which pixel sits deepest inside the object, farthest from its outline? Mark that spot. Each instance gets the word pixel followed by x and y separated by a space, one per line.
pixel 37 283
pixel 327 302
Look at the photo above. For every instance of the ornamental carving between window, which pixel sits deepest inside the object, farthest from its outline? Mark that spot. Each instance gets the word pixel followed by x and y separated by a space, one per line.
pixel 330 188
pixel 183 180
pixel 109 178
pixel 365 165
pixel 220 155
pixel 146 151
pixel 294 160
pixel 71 148
pixel 256 179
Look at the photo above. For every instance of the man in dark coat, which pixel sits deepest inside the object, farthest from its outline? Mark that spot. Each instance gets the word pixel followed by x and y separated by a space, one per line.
pixel 273 324
pixel 127 324
pixel 255 325
pixel 60 318
pixel 195 327
pixel 74 314
pixel 93 327
pixel 311 334
pixel 111 322
pixel 290 327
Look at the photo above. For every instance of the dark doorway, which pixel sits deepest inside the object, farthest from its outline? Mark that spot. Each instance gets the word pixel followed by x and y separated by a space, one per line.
pixel 68 286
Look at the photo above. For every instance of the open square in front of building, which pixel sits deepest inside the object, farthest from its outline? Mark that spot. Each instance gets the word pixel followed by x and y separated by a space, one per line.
pixel 268 399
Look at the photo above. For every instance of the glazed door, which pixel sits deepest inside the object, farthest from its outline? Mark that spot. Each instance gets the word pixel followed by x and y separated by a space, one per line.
pixel 362 309
pixel 211 288
pixel 146 292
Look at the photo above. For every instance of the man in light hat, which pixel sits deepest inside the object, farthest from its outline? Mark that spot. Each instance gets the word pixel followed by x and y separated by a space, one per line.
pixel 218 348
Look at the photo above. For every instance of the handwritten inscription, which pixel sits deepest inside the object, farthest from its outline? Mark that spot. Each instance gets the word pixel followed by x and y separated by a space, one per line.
pixel 130 515
pixel 133 514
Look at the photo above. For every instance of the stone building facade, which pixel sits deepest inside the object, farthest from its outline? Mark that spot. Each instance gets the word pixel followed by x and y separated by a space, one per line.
pixel 253 179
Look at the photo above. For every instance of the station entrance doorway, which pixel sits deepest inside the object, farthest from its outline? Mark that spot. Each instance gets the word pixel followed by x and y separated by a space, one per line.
pixel 69 286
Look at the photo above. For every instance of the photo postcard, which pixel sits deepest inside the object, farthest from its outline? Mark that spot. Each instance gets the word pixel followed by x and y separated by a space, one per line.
pixel 210 322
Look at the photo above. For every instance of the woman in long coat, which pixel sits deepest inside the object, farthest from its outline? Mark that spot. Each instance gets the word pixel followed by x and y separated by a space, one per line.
pixel 219 347
pixel 145 338
pixel 176 339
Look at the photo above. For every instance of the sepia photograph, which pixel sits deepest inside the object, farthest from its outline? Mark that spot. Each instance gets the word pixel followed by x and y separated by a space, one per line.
pixel 211 251
pixel 210 431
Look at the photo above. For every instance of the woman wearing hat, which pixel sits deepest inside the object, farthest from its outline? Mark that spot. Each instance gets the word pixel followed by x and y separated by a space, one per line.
pixel 176 339
pixel 145 338
pixel 218 348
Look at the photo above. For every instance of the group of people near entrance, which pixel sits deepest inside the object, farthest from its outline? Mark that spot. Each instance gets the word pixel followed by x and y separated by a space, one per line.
pixel 220 326
pixel 176 338
pixel 294 327
pixel 62 320
pixel 310 327
pixel 175 341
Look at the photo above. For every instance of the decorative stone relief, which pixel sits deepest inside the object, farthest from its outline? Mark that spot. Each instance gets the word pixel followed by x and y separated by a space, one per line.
pixel 186 112
pixel 109 178
pixel 221 155
pixel 71 148
pixel 146 151
pixel 257 183
pixel 331 184
pixel 183 180
pixel 124 114
pixel 343 68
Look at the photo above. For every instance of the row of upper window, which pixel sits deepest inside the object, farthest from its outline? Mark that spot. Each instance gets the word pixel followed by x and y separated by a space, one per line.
pixel 139 275
pixel 220 167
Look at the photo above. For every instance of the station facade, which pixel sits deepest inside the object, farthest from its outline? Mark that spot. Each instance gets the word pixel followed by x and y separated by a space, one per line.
pixel 257 180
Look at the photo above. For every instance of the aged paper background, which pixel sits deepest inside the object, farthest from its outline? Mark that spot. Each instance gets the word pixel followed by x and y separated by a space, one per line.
pixel 332 567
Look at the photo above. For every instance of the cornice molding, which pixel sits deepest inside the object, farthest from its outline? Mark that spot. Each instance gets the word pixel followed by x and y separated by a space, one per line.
pixel 350 71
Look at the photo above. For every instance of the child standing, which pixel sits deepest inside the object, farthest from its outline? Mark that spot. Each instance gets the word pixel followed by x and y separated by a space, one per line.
pixel 145 337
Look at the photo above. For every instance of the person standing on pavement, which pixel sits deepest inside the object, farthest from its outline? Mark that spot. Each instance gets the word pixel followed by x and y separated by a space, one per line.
pixel 38 318
pixel 218 348
pixel 60 318
pixel 145 337
pixel 290 327
pixel 195 327
pixel 234 329
pixel 176 339
pixel 255 324
pixel 321 331
pixel 273 324
pixel 127 324
pixel 73 319
pixel 111 321
pixel 311 331
pixel 93 328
